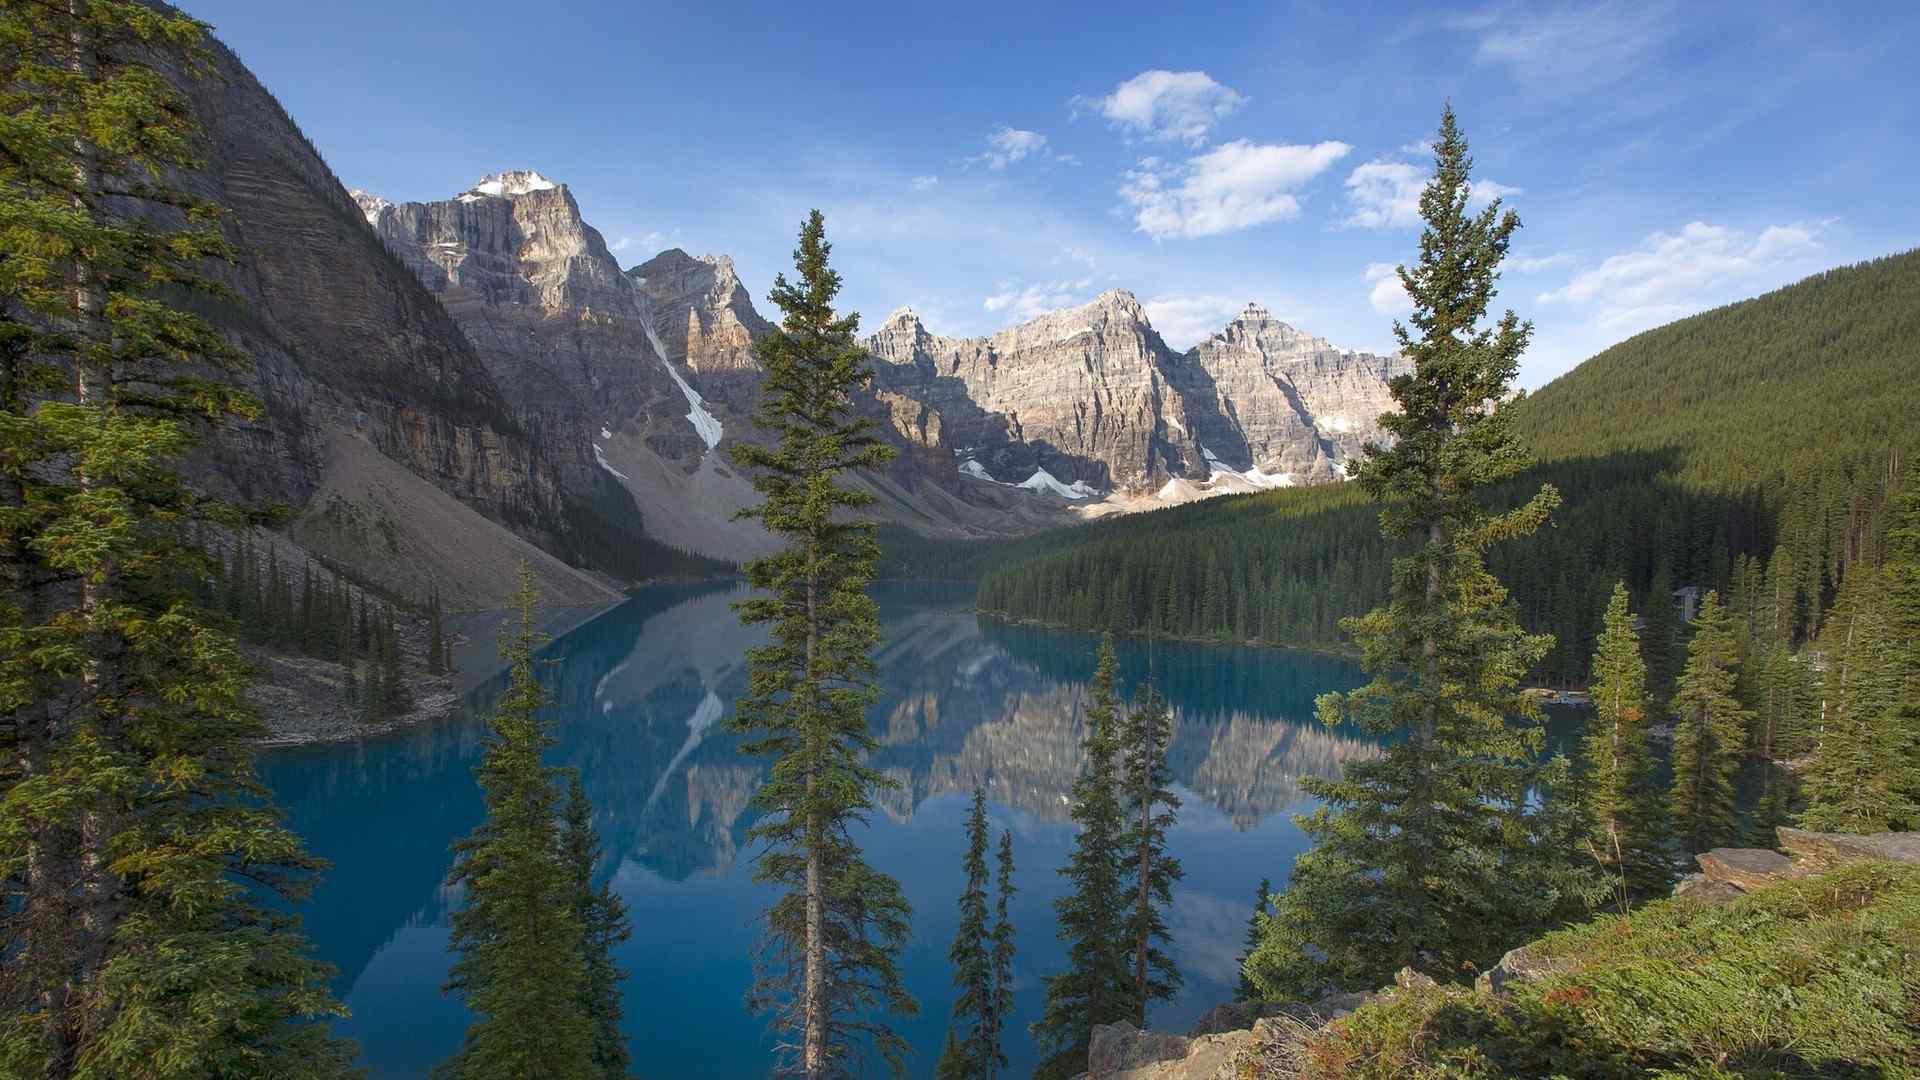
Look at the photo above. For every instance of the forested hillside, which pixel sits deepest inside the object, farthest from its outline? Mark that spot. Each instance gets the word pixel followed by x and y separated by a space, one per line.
pixel 1757 441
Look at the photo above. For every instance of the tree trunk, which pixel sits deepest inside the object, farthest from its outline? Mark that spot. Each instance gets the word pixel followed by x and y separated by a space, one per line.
pixel 813 1000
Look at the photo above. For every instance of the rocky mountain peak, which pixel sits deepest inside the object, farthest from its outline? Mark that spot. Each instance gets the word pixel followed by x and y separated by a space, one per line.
pixel 903 318
pixel 1254 312
pixel 1122 301
pixel 371 205
pixel 511 183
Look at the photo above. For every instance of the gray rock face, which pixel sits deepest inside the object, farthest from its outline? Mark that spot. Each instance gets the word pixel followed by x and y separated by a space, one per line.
pixel 1279 400
pixel 543 301
pixel 1746 868
pixel 1823 850
pixel 1092 394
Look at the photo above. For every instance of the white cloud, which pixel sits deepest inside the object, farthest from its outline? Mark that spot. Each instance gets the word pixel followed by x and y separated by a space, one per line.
pixel 1167 106
pixel 1030 301
pixel 1186 320
pixel 622 244
pixel 1674 274
pixel 1009 144
pixel 923 183
pixel 1565 49
pixel 1386 193
pixel 1235 186
pixel 1082 255
pixel 1387 296
pixel 1533 264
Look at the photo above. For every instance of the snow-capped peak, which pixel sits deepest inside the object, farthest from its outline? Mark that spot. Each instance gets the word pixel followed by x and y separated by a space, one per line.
pixel 512 182
pixel 370 204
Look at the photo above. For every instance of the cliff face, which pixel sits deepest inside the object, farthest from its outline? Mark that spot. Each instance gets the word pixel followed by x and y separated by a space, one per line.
pixel 347 345
pixel 1092 395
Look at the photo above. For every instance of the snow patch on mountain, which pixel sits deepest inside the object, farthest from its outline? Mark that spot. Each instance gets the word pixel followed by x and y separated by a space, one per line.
pixel 703 421
pixel 600 456
pixel 513 182
pixel 1042 480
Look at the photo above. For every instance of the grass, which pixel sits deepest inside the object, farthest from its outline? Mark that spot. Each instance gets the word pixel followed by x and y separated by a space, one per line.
pixel 1812 978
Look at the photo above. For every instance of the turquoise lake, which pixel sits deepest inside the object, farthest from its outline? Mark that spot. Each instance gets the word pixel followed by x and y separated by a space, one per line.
pixel 641 696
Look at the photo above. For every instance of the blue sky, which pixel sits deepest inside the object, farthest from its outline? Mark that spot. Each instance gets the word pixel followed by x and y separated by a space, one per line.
pixel 985 161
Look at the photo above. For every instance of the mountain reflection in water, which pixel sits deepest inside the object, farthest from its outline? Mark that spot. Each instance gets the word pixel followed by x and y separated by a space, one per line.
pixel 642 696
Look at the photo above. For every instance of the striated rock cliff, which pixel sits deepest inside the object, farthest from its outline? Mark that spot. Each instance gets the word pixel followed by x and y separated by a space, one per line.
pixel 360 368
pixel 1093 397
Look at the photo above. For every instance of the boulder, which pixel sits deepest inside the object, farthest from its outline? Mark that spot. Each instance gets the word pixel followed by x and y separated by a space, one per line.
pixel 1520 965
pixel 1335 1006
pixel 1821 850
pixel 1747 868
pixel 1704 890
pixel 1117 1048
pixel 1408 979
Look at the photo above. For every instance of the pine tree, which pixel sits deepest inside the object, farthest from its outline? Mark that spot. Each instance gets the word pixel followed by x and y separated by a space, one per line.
pixel 1003 947
pixel 142 873
pixel 517 941
pixel 1709 734
pixel 973 1019
pixel 1625 820
pixel 602 918
pixel 1262 904
pixel 1862 777
pixel 394 689
pixel 1096 987
pixel 1416 853
pixel 1662 638
pixel 1150 806
pixel 828 973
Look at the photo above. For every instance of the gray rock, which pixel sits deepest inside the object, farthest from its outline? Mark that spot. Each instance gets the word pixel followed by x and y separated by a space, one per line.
pixel 1702 889
pixel 1520 965
pixel 1746 868
pixel 1119 1047
pixel 1825 850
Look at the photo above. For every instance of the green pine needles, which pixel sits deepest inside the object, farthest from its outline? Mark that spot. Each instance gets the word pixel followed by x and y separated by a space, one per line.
pixel 1710 734
pixel 1150 806
pixel 1097 986
pixel 138 855
pixel 982 959
pixel 828 971
pixel 1625 817
pixel 1865 773
pixel 518 937
pixel 1427 856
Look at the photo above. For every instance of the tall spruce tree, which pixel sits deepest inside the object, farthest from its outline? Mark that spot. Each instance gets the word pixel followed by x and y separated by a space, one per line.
pixel 1865 773
pixel 436 637
pixel 602 918
pixel 828 972
pixel 518 944
pixel 972 957
pixel 1262 905
pixel 1149 805
pixel 1003 952
pixel 1625 817
pixel 1416 852
pixel 1096 987
pixel 139 933
pixel 1709 735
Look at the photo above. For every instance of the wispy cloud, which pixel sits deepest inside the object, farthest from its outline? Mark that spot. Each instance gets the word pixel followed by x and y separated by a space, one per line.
pixel 924 183
pixel 1020 302
pixel 1166 106
pixel 1673 274
pixel 1385 193
pixel 1235 186
pixel 1009 145
pixel 1565 49
pixel 1186 320
pixel 1387 295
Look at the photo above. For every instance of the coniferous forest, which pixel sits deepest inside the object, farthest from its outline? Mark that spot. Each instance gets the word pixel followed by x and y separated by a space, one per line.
pixel 1754 448
pixel 1712 528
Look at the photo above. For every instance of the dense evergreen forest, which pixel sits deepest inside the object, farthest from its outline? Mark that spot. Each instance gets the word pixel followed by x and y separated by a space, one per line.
pixel 1758 441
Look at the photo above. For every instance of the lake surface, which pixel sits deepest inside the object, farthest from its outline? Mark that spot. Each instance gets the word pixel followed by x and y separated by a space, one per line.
pixel 641 698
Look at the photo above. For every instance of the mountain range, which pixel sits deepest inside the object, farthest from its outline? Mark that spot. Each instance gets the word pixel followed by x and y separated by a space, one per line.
pixel 454 386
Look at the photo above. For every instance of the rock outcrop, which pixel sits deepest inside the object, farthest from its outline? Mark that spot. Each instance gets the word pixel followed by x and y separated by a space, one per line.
pixel 1726 874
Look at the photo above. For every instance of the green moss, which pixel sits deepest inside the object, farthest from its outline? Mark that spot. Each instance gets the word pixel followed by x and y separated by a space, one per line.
pixel 1813 978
